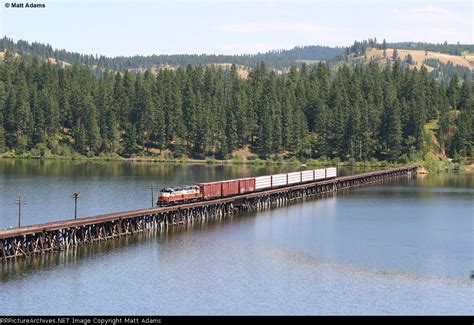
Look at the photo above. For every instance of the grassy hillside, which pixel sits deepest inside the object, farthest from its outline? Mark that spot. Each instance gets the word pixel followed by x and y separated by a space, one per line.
pixel 441 66
pixel 419 57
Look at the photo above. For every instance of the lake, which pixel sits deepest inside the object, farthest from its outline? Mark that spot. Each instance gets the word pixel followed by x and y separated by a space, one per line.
pixel 404 247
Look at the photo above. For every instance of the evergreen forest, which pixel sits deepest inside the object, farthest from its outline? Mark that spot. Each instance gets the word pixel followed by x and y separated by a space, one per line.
pixel 361 113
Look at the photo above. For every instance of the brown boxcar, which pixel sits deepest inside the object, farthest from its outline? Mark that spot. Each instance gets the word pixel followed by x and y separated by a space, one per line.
pixel 246 185
pixel 211 190
pixel 230 187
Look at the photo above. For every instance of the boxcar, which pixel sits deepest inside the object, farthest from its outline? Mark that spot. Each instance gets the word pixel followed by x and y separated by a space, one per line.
pixel 211 190
pixel 294 178
pixel 307 175
pixel 319 174
pixel 279 180
pixel 230 187
pixel 246 185
pixel 262 182
pixel 331 172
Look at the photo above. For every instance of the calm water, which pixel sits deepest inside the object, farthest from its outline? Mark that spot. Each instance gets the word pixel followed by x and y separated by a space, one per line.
pixel 401 248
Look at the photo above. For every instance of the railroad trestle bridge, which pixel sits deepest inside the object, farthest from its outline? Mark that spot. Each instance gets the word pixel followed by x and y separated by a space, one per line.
pixel 63 235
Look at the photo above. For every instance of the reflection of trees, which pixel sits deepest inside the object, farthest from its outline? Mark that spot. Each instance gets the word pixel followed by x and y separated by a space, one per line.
pixel 181 172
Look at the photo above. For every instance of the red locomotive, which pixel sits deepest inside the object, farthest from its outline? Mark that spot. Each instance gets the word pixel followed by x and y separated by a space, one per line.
pixel 214 190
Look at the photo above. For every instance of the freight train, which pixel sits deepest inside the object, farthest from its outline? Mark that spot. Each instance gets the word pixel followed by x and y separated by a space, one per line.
pixel 215 190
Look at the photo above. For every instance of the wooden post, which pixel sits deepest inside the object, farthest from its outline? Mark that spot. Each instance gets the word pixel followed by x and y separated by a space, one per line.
pixel 75 196
pixel 152 195
pixel 20 201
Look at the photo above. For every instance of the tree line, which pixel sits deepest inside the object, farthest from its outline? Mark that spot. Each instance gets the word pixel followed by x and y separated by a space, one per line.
pixel 275 59
pixel 200 111
pixel 445 71
pixel 452 49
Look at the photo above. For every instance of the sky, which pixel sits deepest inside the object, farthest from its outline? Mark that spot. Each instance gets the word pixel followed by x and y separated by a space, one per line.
pixel 145 27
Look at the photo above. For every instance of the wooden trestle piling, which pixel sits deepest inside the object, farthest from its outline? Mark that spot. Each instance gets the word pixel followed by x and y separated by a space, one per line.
pixel 62 235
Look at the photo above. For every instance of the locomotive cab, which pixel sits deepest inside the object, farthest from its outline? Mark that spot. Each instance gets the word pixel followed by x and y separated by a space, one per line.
pixel 179 194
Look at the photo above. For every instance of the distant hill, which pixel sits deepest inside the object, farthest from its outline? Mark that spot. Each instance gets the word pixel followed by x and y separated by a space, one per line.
pixel 419 57
pixel 277 59
pixel 440 66
pixel 359 47
pixel 442 61
pixel 452 49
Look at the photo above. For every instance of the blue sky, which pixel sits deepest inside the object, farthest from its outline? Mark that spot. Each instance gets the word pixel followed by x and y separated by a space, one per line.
pixel 231 27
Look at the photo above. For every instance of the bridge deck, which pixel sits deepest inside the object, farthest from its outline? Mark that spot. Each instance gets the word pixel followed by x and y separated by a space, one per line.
pixel 84 221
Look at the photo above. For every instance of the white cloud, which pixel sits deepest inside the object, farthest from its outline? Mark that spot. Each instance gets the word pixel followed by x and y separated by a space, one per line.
pixel 426 14
pixel 272 26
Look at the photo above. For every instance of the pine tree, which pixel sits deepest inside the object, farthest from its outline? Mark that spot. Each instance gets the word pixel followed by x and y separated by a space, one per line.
pixel 287 125
pixel 453 92
pixel 39 109
pixel 190 110
pixel 395 55
pixel 90 123
pixel 462 141
pixel 80 138
pixel 443 122
pixel 233 109
pixel 147 118
pixel 130 146
pixel 264 137
pixel 277 142
pixel 65 114
pixel 23 119
pixel 393 130
pixel 107 112
pixel 159 135
pixel 51 110
pixel 465 94
pixel 3 144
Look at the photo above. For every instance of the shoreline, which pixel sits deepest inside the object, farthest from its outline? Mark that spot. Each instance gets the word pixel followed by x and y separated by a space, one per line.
pixel 211 161
pixel 427 165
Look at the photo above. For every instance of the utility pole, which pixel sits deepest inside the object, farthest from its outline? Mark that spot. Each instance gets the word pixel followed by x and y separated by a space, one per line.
pixel 20 201
pixel 75 196
pixel 152 195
